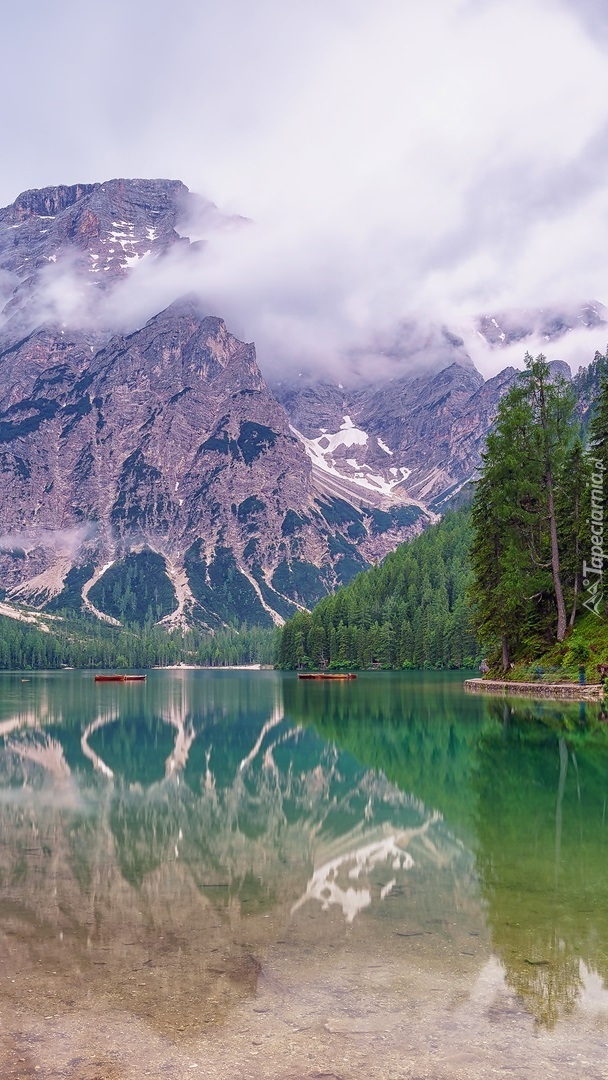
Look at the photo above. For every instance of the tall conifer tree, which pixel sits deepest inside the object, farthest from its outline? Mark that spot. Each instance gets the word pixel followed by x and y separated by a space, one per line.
pixel 516 535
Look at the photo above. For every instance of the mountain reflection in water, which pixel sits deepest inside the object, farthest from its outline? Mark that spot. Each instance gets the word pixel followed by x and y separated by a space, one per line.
pixel 160 839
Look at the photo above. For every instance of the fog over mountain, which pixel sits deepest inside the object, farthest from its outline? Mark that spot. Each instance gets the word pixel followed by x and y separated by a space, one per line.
pixel 256 371
pixel 152 471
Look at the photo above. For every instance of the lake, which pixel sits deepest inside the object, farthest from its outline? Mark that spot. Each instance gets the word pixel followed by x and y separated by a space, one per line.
pixel 240 874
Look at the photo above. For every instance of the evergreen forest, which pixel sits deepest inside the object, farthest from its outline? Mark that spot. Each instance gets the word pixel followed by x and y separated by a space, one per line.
pixel 537 552
pixel 84 643
pixel 515 577
pixel 409 612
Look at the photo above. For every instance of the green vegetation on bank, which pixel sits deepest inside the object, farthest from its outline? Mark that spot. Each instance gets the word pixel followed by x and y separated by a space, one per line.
pixel 87 644
pixel 409 612
pixel 538 529
pixel 585 646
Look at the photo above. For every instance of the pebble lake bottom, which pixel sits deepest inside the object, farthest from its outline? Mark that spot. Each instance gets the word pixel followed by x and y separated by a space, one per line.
pixel 238 874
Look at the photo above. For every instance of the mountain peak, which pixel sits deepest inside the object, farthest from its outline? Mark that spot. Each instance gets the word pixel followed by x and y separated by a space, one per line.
pixel 57 197
pixel 49 201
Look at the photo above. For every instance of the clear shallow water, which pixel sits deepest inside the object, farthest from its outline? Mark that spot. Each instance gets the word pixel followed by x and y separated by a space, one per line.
pixel 234 873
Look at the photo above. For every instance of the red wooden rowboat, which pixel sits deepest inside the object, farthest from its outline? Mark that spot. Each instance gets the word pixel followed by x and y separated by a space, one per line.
pixel 120 678
pixel 326 675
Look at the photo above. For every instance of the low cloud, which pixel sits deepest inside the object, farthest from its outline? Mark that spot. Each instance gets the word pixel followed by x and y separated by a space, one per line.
pixel 319 329
pixel 399 164
pixel 577 348
pixel 61 541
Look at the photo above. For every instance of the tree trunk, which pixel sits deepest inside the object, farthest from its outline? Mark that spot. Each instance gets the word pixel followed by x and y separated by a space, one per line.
pixel 557 585
pixel 505 654
pixel 555 567
pixel 574 602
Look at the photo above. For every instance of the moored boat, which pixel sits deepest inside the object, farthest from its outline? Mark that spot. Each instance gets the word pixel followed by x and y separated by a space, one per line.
pixel 334 675
pixel 120 678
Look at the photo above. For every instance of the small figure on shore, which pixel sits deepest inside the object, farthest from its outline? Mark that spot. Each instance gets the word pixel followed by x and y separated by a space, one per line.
pixel 483 667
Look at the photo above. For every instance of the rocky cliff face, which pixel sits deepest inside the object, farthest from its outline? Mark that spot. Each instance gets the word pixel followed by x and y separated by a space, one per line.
pixel 421 434
pixel 94 232
pixel 157 463
pixel 167 441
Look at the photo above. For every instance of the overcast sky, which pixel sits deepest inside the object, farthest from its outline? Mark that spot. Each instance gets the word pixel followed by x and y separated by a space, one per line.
pixel 395 158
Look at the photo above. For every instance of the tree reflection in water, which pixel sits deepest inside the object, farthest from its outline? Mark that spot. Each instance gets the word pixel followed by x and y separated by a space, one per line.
pixel 541 784
pixel 525 784
pixel 187 816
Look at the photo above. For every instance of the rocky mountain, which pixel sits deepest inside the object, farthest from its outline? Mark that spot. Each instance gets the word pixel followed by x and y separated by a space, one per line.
pixel 506 328
pixel 150 456
pixel 93 232
pixel 422 434
pixel 164 453
pixel 156 459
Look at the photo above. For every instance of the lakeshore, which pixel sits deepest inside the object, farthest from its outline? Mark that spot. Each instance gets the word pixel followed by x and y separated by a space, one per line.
pixel 560 691
pixel 215 667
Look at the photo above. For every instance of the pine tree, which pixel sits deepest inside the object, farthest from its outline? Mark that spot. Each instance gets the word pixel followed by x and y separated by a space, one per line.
pixel 502 531
pixel 517 588
pixel 553 410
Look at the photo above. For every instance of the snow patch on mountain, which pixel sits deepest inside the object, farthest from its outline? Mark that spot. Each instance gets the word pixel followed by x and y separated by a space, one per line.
pixel 348 435
pixel 384 447
pixel 322 453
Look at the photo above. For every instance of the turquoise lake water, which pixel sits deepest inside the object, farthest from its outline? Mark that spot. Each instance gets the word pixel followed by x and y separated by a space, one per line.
pixel 240 874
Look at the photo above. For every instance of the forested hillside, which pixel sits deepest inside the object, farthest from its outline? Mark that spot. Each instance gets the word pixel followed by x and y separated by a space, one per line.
pixel 408 612
pixel 88 644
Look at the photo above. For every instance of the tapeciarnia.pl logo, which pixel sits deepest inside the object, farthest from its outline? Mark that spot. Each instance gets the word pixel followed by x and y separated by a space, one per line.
pixel 593 571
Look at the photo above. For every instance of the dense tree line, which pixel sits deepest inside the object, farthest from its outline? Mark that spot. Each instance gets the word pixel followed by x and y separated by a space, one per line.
pixel 513 573
pixel 245 645
pixel 408 612
pixel 538 536
pixel 86 644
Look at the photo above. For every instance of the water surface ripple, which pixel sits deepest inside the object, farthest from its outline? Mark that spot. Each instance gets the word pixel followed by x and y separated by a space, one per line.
pixel 224 873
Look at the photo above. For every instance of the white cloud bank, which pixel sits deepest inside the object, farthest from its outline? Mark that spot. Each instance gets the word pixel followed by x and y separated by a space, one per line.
pixel 395 159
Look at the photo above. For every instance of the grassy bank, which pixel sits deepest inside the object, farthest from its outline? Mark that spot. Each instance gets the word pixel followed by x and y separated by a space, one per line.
pixel 585 646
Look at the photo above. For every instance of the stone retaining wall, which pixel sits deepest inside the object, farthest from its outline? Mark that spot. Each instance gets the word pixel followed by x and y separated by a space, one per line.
pixel 568 691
